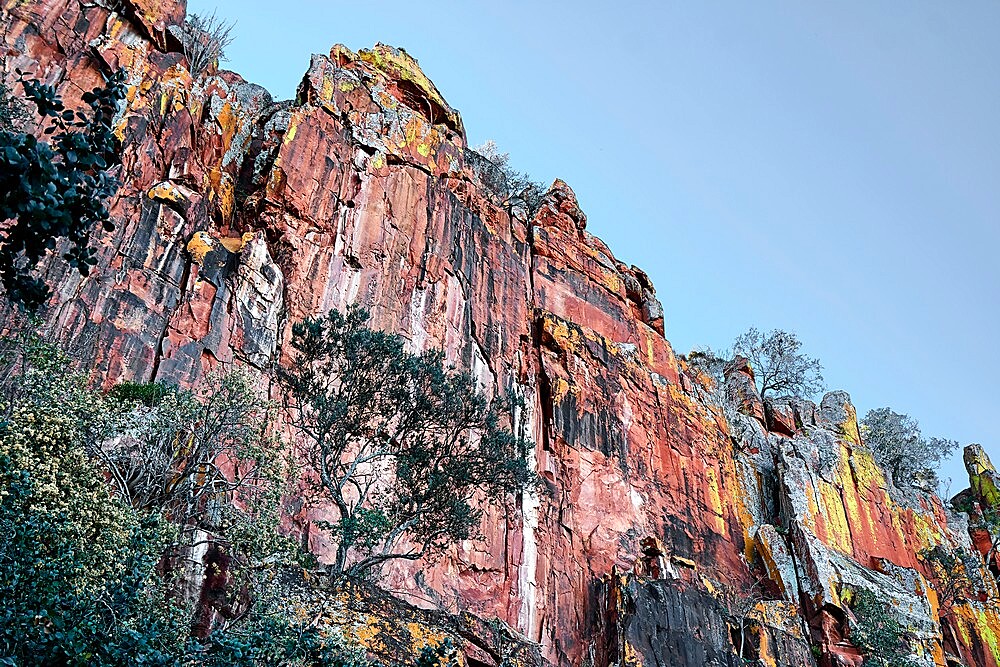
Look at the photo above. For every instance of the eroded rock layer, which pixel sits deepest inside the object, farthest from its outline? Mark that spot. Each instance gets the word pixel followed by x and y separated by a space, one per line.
pixel 673 531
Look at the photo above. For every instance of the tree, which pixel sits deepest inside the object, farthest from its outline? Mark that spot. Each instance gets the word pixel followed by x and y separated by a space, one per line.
pixel 514 190
pixel 740 601
pixel 953 573
pixel 204 460
pixel 182 452
pixel 403 447
pixel 56 190
pixel 897 445
pixel 777 363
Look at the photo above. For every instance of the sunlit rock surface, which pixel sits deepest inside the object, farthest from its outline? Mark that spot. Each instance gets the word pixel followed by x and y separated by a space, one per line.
pixel 240 215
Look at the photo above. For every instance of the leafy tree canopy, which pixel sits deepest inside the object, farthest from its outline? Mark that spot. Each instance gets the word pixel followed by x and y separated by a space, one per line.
pixel 404 447
pixel 899 447
pixel 92 573
pixel 778 364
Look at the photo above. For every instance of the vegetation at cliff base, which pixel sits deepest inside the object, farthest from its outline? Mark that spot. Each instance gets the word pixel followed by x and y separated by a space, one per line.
pixel 55 191
pixel 93 573
pixel 142 524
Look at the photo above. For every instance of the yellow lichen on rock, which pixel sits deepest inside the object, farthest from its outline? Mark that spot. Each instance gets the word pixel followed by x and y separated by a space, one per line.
pixel 200 245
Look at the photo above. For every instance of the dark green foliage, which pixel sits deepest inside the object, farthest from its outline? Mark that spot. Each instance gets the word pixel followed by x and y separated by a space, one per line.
pixel 880 637
pixel 81 578
pixel 77 579
pixel 442 655
pixel 52 611
pixel 145 393
pixel 56 189
pixel 268 639
pixel 401 444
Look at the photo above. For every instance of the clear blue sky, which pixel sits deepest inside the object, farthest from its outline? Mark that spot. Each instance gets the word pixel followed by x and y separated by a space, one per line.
pixel 828 168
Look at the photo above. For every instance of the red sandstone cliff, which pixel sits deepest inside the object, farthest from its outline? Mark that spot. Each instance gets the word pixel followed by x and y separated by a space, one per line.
pixel 239 216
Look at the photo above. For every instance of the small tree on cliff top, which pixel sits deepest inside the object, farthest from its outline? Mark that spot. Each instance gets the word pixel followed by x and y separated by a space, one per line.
pixel 778 364
pixel 401 445
pixel 898 445
pixel 512 189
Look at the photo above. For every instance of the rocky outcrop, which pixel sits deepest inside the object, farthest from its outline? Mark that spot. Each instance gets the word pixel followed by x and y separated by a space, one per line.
pixel 239 216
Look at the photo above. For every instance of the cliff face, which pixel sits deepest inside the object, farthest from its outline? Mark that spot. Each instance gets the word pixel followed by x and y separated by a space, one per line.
pixel 240 216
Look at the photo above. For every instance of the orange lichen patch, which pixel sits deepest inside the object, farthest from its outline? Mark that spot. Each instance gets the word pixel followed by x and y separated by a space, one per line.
pixel 200 245
pixel 560 332
pixel 833 517
pixel 229 123
pixel 399 65
pixel 236 244
pixel 718 523
pixel 421 140
pixel 560 388
pixel 222 191
pixel 166 191
pixel 422 635
pixel 849 428
pixel 779 614
pixel 870 478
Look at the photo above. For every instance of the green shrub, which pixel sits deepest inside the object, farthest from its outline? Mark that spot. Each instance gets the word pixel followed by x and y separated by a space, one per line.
pixel 80 568
pixel 146 393
pixel 877 633
pixel 77 567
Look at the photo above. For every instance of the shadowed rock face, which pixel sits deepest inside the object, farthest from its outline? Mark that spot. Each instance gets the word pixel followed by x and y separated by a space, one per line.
pixel 240 216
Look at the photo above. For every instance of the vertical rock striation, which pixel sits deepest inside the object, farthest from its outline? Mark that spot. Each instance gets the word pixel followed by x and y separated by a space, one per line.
pixel 239 216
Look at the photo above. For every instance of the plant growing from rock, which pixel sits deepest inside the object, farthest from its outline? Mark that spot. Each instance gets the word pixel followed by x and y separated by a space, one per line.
pixel 404 448
pixel 512 189
pixel 778 364
pixel 899 447
pixel 880 637
pixel 740 600
pixel 709 363
pixel 953 573
pixel 56 189
pixel 204 40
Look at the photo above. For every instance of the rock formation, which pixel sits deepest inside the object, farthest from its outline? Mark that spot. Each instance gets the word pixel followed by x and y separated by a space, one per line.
pixel 239 216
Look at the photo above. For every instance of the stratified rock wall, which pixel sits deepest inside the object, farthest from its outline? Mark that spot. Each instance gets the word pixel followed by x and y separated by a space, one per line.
pixel 239 216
